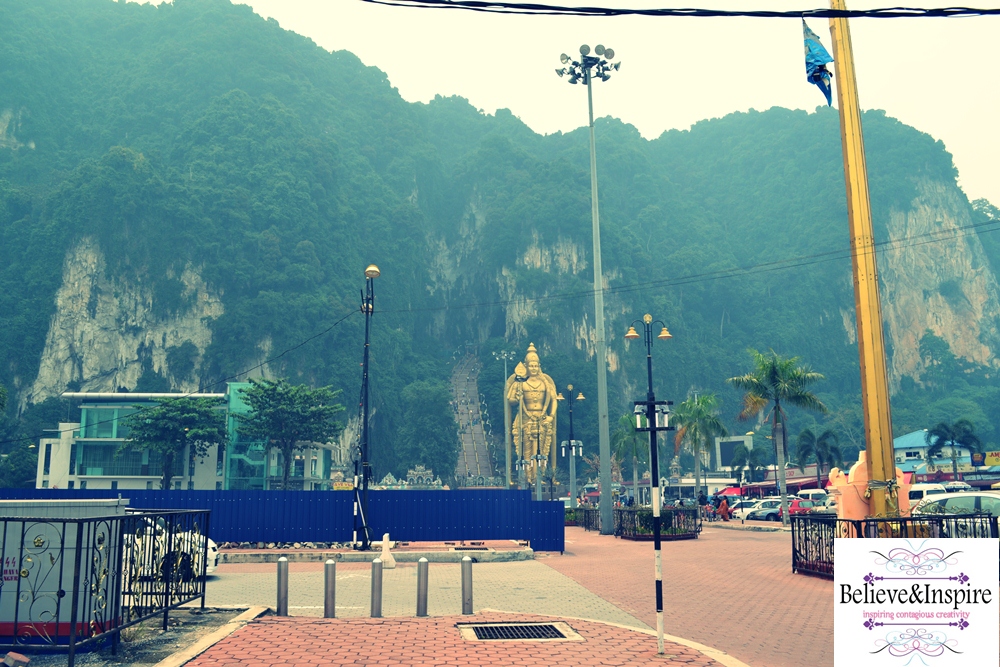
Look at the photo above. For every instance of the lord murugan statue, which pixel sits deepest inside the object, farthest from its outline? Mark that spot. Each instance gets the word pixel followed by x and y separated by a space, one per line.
pixel 534 428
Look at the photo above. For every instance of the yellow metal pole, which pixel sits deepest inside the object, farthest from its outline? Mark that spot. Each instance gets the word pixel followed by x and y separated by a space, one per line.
pixel 868 306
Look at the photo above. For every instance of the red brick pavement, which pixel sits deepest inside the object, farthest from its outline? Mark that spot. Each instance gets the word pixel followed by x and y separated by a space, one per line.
pixel 732 590
pixel 291 642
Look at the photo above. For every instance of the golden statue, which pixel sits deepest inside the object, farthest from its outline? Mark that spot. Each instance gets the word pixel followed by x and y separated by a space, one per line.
pixel 534 428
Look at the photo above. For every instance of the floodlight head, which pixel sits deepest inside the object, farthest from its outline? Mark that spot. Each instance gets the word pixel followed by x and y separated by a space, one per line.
pixel 560 72
pixel 584 50
pixel 609 53
pixel 573 80
pixel 564 59
pixel 605 77
pixel 617 66
pixel 599 49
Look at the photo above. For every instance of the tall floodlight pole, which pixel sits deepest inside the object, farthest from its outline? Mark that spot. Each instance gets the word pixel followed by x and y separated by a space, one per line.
pixel 867 302
pixel 652 415
pixel 506 355
pixel 361 505
pixel 586 69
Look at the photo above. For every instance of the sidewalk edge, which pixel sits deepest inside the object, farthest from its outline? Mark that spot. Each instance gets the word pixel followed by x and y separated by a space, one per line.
pixel 208 641
pixel 721 657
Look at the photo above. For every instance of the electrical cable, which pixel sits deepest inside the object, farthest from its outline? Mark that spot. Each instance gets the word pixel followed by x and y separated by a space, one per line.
pixel 533 9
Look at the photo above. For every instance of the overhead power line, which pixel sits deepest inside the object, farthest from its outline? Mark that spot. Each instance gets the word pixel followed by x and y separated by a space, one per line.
pixel 531 8
pixel 935 236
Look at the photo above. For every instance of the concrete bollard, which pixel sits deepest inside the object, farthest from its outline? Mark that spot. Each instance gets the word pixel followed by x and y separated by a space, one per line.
pixel 422 587
pixel 377 588
pixel 282 609
pixel 466 585
pixel 330 589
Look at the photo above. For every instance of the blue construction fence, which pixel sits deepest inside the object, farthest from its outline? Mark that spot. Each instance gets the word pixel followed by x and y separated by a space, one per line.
pixel 327 516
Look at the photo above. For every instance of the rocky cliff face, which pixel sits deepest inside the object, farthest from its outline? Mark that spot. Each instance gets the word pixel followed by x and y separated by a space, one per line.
pixel 935 277
pixel 105 332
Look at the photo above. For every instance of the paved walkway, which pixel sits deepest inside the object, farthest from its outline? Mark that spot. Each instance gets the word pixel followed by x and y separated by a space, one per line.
pixel 528 586
pixel 436 641
pixel 730 589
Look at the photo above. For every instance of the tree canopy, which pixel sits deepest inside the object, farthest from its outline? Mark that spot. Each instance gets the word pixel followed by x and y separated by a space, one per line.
pixel 173 426
pixel 289 417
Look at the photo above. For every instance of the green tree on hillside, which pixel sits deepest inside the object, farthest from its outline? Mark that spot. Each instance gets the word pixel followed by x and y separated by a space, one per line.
pixel 428 434
pixel 288 417
pixel 173 425
pixel 774 380
pixel 959 434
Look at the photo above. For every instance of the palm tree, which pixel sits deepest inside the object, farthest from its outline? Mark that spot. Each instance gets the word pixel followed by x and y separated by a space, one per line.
pixel 697 418
pixel 747 459
pixel 960 434
pixel 629 443
pixel 825 450
pixel 777 379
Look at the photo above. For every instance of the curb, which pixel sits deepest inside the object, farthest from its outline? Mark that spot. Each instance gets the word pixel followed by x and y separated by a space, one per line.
pixel 720 657
pixel 450 556
pixel 752 528
pixel 208 641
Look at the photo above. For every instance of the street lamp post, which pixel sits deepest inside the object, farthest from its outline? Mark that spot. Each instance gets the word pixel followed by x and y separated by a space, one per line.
pixel 573 444
pixel 539 460
pixel 657 417
pixel 362 466
pixel 585 69
pixel 506 355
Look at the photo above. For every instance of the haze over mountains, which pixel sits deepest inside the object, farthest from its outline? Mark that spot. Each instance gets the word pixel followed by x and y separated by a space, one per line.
pixel 187 191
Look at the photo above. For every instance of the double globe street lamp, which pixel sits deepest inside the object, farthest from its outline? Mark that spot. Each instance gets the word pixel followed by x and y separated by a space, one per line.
pixel 653 416
pixel 575 446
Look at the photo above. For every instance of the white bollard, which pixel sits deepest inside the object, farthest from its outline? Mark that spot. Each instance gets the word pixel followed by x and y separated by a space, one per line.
pixel 388 562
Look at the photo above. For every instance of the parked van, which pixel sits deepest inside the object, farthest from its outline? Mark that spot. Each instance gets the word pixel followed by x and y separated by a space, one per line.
pixel 920 491
pixel 812 494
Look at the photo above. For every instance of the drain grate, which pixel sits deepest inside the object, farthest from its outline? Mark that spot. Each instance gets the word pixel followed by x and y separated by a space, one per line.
pixel 472 548
pixel 508 632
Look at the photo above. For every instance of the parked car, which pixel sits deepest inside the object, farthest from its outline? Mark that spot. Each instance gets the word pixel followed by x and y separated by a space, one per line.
pixel 798 506
pixel 920 491
pixel 765 510
pixel 816 495
pixel 961 502
pixel 828 506
pixel 740 508
pixel 151 548
pixel 954 487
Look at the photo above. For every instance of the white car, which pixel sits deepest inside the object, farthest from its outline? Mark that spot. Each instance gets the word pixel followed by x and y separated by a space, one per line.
pixel 740 508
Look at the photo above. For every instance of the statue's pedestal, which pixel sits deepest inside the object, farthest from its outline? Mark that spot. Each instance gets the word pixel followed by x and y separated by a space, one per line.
pixel 850 489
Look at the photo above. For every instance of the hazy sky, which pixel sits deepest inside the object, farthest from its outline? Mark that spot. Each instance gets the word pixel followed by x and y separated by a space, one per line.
pixel 934 74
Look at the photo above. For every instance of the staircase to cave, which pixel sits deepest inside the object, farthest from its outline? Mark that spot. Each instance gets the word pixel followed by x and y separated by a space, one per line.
pixel 474 467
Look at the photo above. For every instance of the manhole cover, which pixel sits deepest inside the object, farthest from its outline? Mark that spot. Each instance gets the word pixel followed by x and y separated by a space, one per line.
pixel 558 631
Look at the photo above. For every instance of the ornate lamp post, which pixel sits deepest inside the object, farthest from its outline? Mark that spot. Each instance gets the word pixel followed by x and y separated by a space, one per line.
pixel 540 459
pixel 506 355
pixel 575 446
pixel 362 467
pixel 585 70
pixel 652 416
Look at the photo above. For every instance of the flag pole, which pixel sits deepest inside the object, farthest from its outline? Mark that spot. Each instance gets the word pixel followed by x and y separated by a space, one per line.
pixel 867 302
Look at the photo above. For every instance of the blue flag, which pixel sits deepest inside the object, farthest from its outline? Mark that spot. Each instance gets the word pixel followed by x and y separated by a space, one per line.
pixel 816 59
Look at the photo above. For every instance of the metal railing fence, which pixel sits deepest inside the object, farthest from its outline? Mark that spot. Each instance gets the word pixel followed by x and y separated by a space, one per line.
pixel 676 523
pixel 69 583
pixel 813 535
